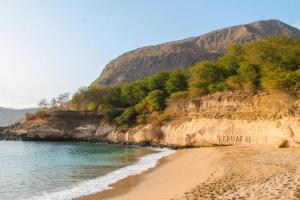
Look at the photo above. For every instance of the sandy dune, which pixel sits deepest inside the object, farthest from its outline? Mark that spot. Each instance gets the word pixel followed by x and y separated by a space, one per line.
pixel 233 172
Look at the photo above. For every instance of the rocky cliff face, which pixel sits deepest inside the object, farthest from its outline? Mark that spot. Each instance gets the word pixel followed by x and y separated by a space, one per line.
pixel 55 126
pixel 226 119
pixel 220 119
pixel 149 60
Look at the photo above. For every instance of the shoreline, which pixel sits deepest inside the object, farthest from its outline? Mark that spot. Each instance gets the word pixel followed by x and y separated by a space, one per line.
pixel 97 141
pixel 248 172
pixel 123 188
pixel 124 185
pixel 102 183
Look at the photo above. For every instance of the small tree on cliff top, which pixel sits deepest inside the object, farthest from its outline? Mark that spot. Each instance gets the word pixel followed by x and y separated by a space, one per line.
pixel 43 103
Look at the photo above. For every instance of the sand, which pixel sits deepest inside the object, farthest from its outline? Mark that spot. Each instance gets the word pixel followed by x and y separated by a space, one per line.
pixel 233 172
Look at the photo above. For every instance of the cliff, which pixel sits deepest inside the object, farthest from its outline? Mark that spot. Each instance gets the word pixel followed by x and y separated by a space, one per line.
pixel 149 60
pixel 55 126
pixel 220 119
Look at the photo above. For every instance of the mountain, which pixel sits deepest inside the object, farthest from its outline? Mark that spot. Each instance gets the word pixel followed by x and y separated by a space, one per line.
pixel 9 116
pixel 149 60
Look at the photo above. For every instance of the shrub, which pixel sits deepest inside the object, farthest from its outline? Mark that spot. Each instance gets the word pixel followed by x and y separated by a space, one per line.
pixel 127 117
pixel 158 81
pixel 234 82
pixel 142 107
pixel 156 100
pixel 178 96
pixel 123 128
pixel 177 82
pixel 218 87
pixel 30 116
pixel 142 119
pixel 158 118
pixel 231 60
pixel 134 92
pixel 206 77
pixel 92 107
pixel 40 114
pixel 112 114
pixel 249 76
pixel 196 92
pixel 286 81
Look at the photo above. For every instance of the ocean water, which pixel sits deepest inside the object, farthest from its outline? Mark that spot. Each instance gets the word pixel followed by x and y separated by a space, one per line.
pixel 65 170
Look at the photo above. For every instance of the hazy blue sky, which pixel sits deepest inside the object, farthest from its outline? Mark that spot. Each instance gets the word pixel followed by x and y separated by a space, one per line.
pixel 52 46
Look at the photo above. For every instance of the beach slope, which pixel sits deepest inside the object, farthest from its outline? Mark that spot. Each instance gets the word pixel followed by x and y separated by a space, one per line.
pixel 215 173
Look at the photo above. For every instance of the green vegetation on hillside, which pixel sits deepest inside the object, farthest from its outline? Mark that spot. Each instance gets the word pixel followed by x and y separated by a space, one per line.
pixel 264 65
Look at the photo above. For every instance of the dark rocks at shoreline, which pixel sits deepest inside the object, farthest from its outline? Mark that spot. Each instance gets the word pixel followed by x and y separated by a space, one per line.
pixel 96 141
pixel 2 129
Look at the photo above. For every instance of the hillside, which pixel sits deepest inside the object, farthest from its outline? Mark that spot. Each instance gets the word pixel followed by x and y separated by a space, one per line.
pixel 9 116
pixel 250 95
pixel 149 60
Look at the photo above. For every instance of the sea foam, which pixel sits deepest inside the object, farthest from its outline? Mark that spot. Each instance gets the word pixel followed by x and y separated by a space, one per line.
pixel 102 183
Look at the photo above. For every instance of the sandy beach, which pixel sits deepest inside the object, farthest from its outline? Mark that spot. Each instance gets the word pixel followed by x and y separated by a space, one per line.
pixel 233 172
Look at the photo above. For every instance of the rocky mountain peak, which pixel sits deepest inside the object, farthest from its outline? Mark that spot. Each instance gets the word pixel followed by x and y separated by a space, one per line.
pixel 149 60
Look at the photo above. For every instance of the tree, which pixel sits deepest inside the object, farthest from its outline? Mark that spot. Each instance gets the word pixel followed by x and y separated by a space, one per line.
pixel 134 92
pixel 112 98
pixel 208 77
pixel 53 103
pixel 98 98
pixel 285 81
pixel 43 103
pixel 230 62
pixel 178 97
pixel 249 76
pixel 92 107
pixel 62 99
pixel 278 59
pixel 79 101
pixel 142 107
pixel 158 81
pixel 127 117
pixel 156 100
pixel 112 114
pixel 234 82
pixel 177 82
pixel 274 55
pixel 93 98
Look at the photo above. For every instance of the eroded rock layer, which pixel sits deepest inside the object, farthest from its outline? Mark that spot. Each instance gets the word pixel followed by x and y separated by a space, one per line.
pixel 219 119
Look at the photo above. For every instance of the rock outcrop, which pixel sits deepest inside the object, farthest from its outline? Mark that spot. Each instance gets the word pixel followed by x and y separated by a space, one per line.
pixel 56 126
pixel 2 132
pixel 226 119
pixel 149 60
pixel 220 119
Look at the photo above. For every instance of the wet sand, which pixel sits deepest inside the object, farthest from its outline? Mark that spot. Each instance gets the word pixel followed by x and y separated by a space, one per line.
pixel 233 172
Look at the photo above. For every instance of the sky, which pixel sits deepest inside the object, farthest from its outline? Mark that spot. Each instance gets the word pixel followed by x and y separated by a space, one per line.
pixel 48 47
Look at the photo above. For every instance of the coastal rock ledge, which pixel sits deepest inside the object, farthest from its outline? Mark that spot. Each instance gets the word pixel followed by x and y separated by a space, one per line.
pixel 230 118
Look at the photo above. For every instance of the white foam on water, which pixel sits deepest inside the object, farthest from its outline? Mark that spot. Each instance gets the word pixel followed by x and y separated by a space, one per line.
pixel 102 183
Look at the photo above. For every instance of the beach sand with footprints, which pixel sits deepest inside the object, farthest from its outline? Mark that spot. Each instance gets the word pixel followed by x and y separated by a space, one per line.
pixel 227 172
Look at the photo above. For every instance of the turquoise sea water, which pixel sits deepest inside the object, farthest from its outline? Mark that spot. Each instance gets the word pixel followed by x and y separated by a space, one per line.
pixel 63 170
